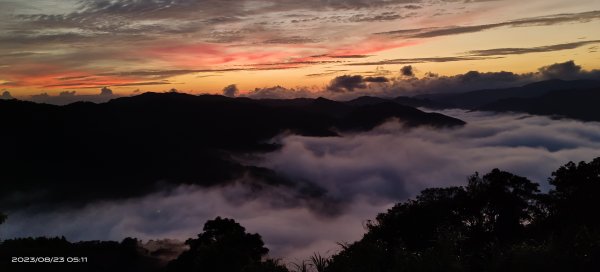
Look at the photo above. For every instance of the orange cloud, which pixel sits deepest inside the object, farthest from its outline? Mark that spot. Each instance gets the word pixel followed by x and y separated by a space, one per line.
pixel 208 55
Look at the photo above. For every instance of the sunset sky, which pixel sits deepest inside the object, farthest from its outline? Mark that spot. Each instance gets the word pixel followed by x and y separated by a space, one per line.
pixel 201 46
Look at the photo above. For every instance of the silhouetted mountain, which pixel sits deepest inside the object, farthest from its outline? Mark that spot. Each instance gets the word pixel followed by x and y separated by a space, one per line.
pixel 577 104
pixel 367 101
pixel 368 117
pixel 319 106
pixel 86 151
pixel 421 102
pixel 402 100
pixel 476 99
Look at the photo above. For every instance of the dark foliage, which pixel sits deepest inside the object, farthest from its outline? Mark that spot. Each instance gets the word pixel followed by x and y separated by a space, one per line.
pixel 572 199
pixel 225 246
pixel 498 222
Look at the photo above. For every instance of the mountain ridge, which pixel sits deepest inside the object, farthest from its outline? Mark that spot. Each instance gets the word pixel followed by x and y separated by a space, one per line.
pixel 83 151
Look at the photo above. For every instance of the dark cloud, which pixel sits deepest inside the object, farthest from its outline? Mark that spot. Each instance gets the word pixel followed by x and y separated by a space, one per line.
pixel 385 16
pixel 68 97
pixel 40 96
pixel 347 83
pixel 378 79
pixel 230 91
pixel 291 40
pixel 407 71
pixel 379 71
pixel 561 70
pixel 73 78
pixel 106 91
pixel 532 21
pixel 432 83
pixel 6 95
pixel 472 80
pixel 413 7
pixel 539 49
pixel 279 92
pixel 67 93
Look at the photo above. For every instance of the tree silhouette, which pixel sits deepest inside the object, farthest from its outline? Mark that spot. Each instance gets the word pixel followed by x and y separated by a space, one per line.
pixel 483 226
pixel 224 246
pixel 2 218
pixel 500 204
pixel 573 221
pixel 573 196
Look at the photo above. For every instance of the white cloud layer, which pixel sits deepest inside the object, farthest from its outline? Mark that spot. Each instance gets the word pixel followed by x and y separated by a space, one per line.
pixel 394 162
pixel 293 232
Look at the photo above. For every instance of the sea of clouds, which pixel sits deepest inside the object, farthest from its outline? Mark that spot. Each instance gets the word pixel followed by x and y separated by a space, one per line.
pixel 361 175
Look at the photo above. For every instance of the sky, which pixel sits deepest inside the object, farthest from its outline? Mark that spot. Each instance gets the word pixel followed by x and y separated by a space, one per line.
pixel 203 46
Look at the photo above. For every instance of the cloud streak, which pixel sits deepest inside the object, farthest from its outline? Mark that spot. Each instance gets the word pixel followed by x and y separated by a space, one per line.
pixel 420 60
pixel 524 22
pixel 539 49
